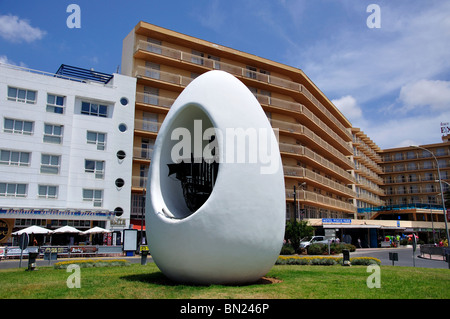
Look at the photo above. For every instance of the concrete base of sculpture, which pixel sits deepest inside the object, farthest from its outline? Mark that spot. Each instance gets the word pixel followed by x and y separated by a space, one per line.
pixel 235 236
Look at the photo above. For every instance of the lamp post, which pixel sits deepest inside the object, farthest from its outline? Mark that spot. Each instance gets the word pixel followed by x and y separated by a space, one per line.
pixel 295 204
pixel 440 187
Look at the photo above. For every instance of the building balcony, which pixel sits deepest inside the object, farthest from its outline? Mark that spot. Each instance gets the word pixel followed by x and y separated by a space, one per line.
pixel 142 154
pixel 360 156
pixel 138 183
pixel 312 140
pixel 308 156
pixel 167 80
pixel 147 99
pixel 370 199
pixel 198 64
pixel 370 186
pixel 414 155
pixel 146 128
pixel 361 145
pixel 303 114
pixel 367 173
pixel 314 199
pixel 318 180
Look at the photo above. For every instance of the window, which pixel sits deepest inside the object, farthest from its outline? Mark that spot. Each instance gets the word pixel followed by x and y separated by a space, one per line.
pixel 151 95
pixel 147 146
pixel 152 70
pixel 55 103
pixel 154 45
pixel 96 138
pixel 14 158
pixel 251 72
pixel 13 190
pixel 93 195
pixel 47 191
pixel 53 133
pixel 95 167
pixel 49 164
pixel 197 57
pixel 216 61
pixel 21 95
pixel 18 127
pixel 93 109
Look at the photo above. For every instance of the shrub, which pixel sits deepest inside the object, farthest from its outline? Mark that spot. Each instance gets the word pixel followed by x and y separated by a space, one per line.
pixel 287 250
pixel 364 261
pixel 321 249
pixel 317 249
pixel 325 261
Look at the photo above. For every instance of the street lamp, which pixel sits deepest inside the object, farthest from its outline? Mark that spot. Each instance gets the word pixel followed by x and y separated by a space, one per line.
pixel 440 187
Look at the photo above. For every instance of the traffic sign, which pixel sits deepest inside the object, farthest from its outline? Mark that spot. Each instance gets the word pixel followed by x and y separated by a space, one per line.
pixel 23 241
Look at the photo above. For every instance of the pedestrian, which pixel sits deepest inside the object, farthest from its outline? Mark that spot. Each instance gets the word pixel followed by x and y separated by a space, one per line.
pixel 359 242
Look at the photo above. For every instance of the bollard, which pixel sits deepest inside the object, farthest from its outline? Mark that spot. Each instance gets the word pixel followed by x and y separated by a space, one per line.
pixel 32 260
pixel 144 253
pixel 144 257
pixel 346 257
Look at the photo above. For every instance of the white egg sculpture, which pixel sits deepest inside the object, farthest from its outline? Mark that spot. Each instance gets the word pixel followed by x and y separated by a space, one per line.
pixel 221 221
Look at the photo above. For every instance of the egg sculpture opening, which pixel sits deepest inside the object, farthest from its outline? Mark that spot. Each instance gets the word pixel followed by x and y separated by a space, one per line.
pixel 215 210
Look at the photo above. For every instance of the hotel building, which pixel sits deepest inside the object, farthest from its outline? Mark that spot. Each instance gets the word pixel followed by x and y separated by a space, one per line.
pixel 411 181
pixel 66 148
pixel 314 137
pixel 368 180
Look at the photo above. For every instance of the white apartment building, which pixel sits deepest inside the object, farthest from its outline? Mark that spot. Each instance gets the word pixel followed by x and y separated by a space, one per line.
pixel 66 145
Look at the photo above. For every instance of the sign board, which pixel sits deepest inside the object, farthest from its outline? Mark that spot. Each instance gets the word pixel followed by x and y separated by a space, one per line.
pixel 23 241
pixel 445 128
pixel 130 242
pixel 336 221
pixel 330 232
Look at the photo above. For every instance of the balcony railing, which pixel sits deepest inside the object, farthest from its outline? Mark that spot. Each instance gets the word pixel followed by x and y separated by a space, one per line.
pixel 147 126
pixel 371 199
pixel 306 173
pixel 304 151
pixel 303 110
pixel 138 181
pixel 362 170
pixel 240 72
pixel 360 156
pixel 302 130
pixel 152 99
pixel 320 199
pixel 168 77
pixel 142 153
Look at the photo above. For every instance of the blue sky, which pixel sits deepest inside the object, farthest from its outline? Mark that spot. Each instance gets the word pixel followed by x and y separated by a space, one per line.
pixel 393 82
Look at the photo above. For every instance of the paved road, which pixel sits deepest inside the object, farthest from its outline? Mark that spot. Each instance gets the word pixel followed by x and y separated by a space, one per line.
pixel 405 258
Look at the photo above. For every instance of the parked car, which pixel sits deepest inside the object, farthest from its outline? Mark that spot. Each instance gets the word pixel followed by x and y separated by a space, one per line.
pixel 305 242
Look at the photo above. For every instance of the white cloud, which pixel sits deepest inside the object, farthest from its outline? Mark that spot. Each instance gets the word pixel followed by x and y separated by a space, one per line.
pixel 349 107
pixel 426 93
pixel 404 131
pixel 412 44
pixel 17 30
pixel 4 59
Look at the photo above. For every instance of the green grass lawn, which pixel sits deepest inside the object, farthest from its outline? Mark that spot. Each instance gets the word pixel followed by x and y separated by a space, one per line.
pixel 299 282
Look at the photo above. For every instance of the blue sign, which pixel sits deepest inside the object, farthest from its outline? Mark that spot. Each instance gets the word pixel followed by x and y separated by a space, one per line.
pixel 336 221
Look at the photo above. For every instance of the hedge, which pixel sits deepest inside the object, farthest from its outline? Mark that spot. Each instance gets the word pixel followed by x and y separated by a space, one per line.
pixel 318 260
pixel 322 249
